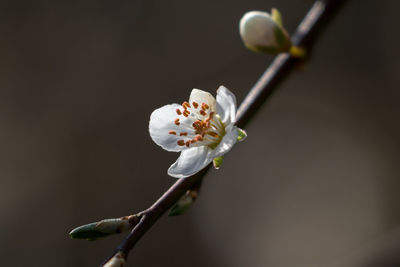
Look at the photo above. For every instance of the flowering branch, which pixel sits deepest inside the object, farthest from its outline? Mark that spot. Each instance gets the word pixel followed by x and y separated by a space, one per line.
pixel 305 35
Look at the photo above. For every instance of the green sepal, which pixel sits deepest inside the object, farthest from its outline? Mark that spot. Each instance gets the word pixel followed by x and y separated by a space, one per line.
pixel 263 49
pixel 182 205
pixel 282 38
pixel 217 162
pixel 276 16
pixel 241 135
pixel 88 232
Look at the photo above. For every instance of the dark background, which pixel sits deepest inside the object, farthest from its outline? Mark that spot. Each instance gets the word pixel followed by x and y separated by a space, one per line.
pixel 315 184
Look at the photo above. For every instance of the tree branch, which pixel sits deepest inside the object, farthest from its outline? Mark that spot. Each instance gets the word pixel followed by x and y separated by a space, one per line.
pixel 308 30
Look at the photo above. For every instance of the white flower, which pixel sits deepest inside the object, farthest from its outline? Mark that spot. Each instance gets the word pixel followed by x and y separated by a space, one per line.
pixel 262 32
pixel 201 129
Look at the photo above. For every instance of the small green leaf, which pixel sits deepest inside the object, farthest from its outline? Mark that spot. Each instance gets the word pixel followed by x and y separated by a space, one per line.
pixel 276 16
pixel 241 135
pixel 218 162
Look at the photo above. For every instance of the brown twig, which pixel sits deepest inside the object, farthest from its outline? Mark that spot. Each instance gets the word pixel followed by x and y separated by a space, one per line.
pixel 317 17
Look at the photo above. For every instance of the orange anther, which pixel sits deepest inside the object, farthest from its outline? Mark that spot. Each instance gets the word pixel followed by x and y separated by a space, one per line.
pixel 204 106
pixel 181 143
pixel 188 143
pixel 202 112
pixel 185 105
pixel 198 137
pixel 177 122
pixel 195 105
pixel 178 111
pixel 196 124
pixel 172 132
pixel 186 113
pixel 183 134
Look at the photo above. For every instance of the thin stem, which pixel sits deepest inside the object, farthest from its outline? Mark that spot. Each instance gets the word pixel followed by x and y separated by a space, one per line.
pixel 308 30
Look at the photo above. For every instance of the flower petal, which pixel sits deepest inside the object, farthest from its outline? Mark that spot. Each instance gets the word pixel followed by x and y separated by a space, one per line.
pixel 226 105
pixel 227 142
pixel 200 96
pixel 161 123
pixel 190 162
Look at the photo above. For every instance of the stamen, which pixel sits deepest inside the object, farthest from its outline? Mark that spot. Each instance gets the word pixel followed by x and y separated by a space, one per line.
pixel 196 124
pixel 202 112
pixel 177 122
pixel 186 113
pixel 211 115
pixel 204 106
pixel 195 105
pixel 188 143
pixel 198 138
pixel 185 105
pixel 172 132
pixel 178 111
pixel 213 134
pixel 183 134
pixel 181 142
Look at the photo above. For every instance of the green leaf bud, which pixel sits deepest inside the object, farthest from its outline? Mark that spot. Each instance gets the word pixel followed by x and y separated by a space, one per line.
pixel 103 228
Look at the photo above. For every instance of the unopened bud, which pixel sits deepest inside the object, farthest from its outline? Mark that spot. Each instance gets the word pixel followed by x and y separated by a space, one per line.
pixel 184 203
pixel 103 228
pixel 262 32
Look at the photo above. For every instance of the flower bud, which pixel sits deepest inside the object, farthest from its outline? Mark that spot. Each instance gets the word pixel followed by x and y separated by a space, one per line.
pixel 103 228
pixel 262 32
pixel 186 201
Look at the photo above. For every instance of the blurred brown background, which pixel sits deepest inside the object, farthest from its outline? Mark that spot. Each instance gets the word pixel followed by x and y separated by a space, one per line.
pixel 315 184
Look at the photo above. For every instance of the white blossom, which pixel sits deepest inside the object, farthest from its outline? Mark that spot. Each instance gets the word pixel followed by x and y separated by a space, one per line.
pixel 201 129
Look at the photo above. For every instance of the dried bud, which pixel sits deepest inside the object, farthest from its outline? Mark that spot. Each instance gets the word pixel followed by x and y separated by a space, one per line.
pixel 262 32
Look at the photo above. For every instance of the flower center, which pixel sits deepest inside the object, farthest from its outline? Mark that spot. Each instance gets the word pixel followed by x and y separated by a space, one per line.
pixel 200 126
